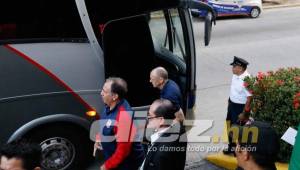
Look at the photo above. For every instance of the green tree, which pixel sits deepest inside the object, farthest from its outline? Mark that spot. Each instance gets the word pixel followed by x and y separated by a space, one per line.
pixel 276 99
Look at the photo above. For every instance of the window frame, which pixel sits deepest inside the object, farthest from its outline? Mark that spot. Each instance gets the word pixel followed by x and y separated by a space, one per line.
pixel 186 44
pixel 58 32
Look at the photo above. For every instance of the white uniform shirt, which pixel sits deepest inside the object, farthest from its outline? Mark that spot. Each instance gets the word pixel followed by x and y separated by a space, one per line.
pixel 238 92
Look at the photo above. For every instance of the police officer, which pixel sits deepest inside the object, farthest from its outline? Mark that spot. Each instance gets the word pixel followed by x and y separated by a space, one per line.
pixel 240 98
pixel 118 131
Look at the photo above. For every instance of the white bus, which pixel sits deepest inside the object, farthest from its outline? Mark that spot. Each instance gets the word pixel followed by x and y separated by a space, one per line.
pixel 56 54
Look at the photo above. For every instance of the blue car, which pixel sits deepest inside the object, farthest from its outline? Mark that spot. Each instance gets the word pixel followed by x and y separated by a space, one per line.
pixel 251 8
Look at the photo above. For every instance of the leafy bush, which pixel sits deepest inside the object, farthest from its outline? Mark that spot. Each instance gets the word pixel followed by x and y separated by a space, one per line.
pixel 276 99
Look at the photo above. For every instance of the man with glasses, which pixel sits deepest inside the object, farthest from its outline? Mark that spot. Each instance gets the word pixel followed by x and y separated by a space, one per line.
pixel 117 130
pixel 165 151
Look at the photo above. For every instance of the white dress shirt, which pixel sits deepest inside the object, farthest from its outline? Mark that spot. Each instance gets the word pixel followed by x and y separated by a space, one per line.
pixel 238 92
pixel 154 137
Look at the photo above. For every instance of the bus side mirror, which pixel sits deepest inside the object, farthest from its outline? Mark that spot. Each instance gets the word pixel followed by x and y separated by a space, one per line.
pixel 207 28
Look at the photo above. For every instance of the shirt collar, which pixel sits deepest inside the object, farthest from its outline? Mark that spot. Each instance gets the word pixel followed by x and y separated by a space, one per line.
pixel 107 108
pixel 165 85
pixel 242 76
pixel 157 134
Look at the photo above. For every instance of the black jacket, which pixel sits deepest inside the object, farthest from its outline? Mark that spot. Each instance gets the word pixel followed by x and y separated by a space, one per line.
pixel 166 155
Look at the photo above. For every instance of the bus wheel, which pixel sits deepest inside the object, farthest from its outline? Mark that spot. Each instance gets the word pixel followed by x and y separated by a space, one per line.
pixel 63 147
pixel 255 11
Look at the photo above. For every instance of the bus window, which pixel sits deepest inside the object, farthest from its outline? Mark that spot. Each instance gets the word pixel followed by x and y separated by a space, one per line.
pixel 42 19
pixel 158 28
pixel 166 30
pixel 7 31
pixel 178 39
pixel 168 39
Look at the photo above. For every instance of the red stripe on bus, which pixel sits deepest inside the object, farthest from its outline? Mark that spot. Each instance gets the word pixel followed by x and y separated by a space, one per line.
pixel 49 73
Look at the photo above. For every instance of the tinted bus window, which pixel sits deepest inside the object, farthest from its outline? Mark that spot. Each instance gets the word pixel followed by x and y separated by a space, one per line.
pixel 159 30
pixel 178 39
pixel 40 19
pixel 161 35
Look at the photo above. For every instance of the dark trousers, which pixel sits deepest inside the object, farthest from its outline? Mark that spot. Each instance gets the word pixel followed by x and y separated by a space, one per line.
pixel 233 111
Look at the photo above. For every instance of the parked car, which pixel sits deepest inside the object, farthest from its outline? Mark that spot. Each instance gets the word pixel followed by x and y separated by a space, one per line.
pixel 251 8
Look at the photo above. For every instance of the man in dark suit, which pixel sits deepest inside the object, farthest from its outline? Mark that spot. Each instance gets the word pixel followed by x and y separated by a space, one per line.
pixel 167 150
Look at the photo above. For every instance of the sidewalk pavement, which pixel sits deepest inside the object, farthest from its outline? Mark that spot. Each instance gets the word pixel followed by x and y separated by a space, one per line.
pixel 270 4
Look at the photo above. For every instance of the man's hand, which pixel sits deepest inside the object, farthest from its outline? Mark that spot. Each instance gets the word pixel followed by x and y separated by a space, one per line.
pixel 247 107
pixel 97 145
pixel 179 116
pixel 102 167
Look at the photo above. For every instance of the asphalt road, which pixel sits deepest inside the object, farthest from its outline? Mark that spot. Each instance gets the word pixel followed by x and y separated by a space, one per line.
pixel 269 42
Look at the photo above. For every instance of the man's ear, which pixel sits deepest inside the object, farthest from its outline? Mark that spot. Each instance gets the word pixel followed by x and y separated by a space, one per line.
pixel 37 168
pixel 241 69
pixel 115 97
pixel 161 80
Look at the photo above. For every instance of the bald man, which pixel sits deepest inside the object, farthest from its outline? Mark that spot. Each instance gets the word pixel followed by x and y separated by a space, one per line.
pixel 168 89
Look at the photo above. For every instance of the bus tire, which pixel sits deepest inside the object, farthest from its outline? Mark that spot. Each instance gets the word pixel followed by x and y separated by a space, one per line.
pixel 255 12
pixel 64 147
